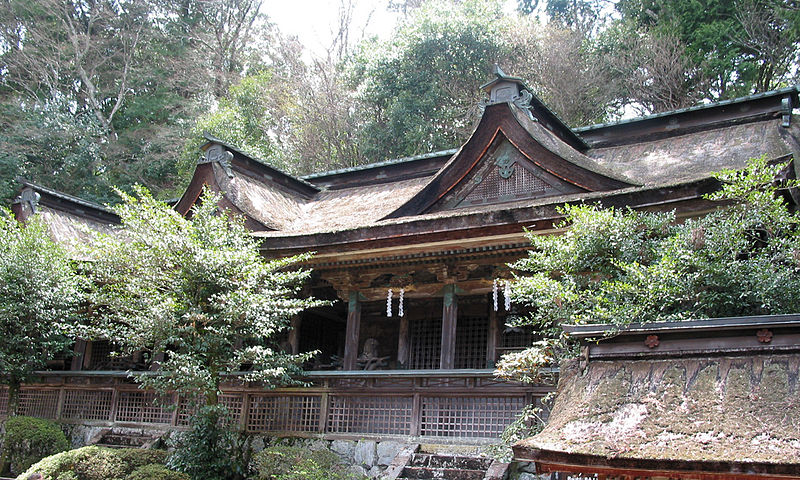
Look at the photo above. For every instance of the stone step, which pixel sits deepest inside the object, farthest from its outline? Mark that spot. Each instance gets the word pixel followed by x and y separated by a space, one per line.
pixel 125 440
pixel 450 461
pixel 442 473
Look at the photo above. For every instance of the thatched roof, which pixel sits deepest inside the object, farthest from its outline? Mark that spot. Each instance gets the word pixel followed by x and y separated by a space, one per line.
pixel 661 151
pixel 732 408
pixel 726 409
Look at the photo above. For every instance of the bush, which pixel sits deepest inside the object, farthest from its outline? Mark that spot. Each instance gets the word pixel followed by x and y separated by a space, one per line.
pixel 156 472
pixel 29 440
pixel 95 463
pixel 209 451
pixel 296 463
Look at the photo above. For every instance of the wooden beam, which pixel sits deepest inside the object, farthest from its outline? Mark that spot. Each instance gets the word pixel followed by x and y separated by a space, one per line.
pixel 352 330
pixel 449 322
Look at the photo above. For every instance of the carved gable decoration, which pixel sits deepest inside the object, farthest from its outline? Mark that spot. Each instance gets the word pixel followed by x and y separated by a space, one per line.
pixel 504 175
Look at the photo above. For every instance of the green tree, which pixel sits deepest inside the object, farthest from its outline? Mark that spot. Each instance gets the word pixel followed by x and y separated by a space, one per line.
pixel 418 92
pixel 197 289
pixel 39 298
pixel 740 47
pixel 616 267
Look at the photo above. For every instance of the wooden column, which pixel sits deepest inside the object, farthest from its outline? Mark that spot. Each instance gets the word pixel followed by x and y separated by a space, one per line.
pixel 79 351
pixel 402 343
pixel 449 320
pixel 493 339
pixel 352 331
pixel 294 335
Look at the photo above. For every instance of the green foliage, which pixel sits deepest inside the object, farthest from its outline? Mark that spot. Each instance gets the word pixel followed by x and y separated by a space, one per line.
pixel 245 118
pixel 296 463
pixel 95 463
pixel 739 46
pixel 39 297
pixel 155 471
pixel 193 288
pixel 51 139
pixel 209 451
pixel 418 92
pixel 28 440
pixel 617 267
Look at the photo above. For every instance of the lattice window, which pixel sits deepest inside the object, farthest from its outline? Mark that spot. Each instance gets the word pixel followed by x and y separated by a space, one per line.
pixel 373 414
pixel 3 402
pixel 141 407
pixel 471 336
pixel 102 358
pixel 284 413
pixel 87 405
pixel 425 343
pixel 521 184
pixel 38 403
pixel 233 402
pixel 481 417
pixel 517 337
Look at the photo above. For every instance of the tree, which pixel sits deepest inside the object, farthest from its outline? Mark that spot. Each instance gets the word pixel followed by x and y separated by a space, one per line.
pixel 618 267
pixel 418 91
pixel 40 294
pixel 741 46
pixel 651 69
pixel 566 68
pixel 197 289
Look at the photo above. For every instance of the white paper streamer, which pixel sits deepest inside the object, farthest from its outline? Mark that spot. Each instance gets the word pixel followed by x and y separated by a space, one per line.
pixel 389 303
pixel 507 296
pixel 400 311
pixel 494 294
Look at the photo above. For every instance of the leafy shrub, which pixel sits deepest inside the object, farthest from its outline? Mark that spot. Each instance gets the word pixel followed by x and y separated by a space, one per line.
pixel 95 463
pixel 209 451
pixel 156 472
pixel 29 439
pixel 296 463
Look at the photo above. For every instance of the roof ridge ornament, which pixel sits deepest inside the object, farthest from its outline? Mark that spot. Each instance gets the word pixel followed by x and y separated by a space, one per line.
pixel 29 197
pixel 216 153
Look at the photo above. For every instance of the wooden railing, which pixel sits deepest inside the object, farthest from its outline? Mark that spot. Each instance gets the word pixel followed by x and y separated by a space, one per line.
pixel 445 405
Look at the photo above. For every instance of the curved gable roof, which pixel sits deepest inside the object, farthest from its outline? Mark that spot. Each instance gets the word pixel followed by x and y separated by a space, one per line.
pixel 509 135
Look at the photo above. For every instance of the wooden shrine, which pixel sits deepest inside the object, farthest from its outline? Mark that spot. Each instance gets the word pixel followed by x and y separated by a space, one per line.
pixel 430 235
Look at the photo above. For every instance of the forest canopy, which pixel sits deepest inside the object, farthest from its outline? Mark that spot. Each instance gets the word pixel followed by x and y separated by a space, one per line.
pixel 96 94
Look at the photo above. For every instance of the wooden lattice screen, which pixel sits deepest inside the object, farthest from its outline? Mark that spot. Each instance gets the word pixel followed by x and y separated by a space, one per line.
pixel 471 337
pixel 38 403
pixel 468 416
pixel 370 414
pixel 3 402
pixel 232 402
pixel 285 413
pixel 425 343
pixel 87 405
pixel 141 407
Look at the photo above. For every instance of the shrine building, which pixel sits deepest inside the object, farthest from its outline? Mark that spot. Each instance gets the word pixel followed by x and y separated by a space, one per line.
pixel 414 252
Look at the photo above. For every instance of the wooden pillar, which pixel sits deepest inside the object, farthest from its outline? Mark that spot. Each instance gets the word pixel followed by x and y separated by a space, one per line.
pixel 493 339
pixel 79 351
pixel 402 343
pixel 449 320
pixel 294 335
pixel 352 331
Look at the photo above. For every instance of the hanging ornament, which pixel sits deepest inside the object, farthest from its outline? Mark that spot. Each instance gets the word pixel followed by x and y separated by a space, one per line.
pixel 389 303
pixel 400 311
pixel 494 294
pixel 507 296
